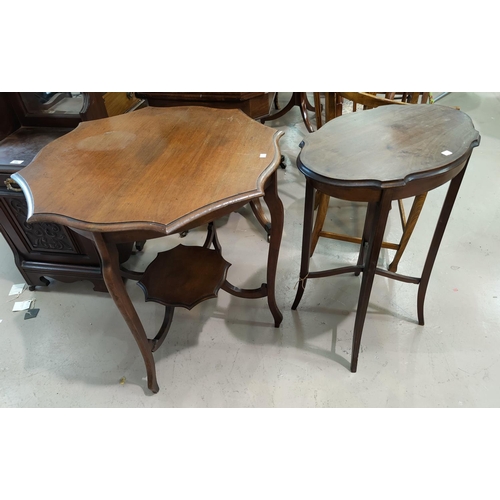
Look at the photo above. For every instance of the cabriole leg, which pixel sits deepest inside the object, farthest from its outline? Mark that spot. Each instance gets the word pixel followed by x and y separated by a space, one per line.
pixel 111 273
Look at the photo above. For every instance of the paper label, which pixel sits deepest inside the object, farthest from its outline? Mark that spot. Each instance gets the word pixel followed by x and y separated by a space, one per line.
pixel 17 289
pixel 22 306
pixel 16 162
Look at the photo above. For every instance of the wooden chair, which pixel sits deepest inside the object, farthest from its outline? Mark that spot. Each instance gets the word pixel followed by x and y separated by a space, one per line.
pixel 334 106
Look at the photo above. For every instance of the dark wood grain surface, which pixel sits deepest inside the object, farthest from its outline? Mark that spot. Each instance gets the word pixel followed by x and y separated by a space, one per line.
pixel 388 143
pixel 378 156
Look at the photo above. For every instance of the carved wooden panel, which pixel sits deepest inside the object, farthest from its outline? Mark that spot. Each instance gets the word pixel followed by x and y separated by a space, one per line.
pixel 47 237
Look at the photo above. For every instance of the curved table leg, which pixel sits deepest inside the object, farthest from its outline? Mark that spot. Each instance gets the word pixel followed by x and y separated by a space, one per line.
pixel 297 99
pixel 291 103
pixel 275 101
pixel 164 328
pixel 111 274
pixel 306 242
pixel 309 106
pixel 275 206
pixel 436 241
pixel 258 211
pixel 303 108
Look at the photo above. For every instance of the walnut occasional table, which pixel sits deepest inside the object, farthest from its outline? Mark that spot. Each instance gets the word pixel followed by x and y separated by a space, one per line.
pixel 152 173
pixel 377 156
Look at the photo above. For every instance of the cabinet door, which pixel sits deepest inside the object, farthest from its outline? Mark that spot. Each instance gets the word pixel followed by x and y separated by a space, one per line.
pixel 42 241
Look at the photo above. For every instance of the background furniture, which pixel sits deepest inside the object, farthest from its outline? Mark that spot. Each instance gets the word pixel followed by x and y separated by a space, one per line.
pixel 297 99
pixel 157 172
pixel 407 151
pixel 28 122
pixel 254 104
pixel 335 103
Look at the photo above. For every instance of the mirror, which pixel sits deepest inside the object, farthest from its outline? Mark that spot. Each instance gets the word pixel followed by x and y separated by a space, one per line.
pixel 52 103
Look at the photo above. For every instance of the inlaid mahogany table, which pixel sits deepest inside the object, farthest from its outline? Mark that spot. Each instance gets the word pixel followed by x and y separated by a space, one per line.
pixel 377 156
pixel 157 172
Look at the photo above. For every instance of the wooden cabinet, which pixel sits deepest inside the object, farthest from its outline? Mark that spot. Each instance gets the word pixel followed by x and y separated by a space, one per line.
pixel 254 104
pixel 29 121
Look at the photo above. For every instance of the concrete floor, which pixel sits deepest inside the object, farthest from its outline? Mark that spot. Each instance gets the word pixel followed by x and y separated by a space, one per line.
pixel 226 352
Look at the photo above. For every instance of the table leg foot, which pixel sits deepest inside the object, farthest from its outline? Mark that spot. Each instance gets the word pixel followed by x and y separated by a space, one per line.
pixel 278 318
pixel 283 162
pixel 300 291
pixel 153 386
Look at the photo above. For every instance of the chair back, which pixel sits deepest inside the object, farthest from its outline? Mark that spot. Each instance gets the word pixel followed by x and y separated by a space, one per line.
pixel 336 105
pixel 409 97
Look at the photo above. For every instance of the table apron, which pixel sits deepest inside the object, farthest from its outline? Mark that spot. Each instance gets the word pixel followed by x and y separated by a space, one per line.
pixel 363 191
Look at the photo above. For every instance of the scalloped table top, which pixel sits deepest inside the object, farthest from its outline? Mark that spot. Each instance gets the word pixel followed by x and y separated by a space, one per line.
pixel 155 169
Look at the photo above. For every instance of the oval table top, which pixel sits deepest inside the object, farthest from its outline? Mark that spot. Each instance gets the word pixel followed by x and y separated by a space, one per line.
pixel 156 169
pixel 388 145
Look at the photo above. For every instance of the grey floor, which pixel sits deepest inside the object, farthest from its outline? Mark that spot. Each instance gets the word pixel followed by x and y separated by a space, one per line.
pixel 78 351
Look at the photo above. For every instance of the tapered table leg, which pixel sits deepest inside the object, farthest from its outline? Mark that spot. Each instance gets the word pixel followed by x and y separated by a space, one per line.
pixel 436 241
pixel 324 199
pixel 275 206
pixel 111 274
pixel 370 210
pixel 380 215
pixel 306 242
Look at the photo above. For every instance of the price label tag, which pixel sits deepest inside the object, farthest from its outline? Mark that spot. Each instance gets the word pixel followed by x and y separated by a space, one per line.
pixel 22 306
pixel 17 289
